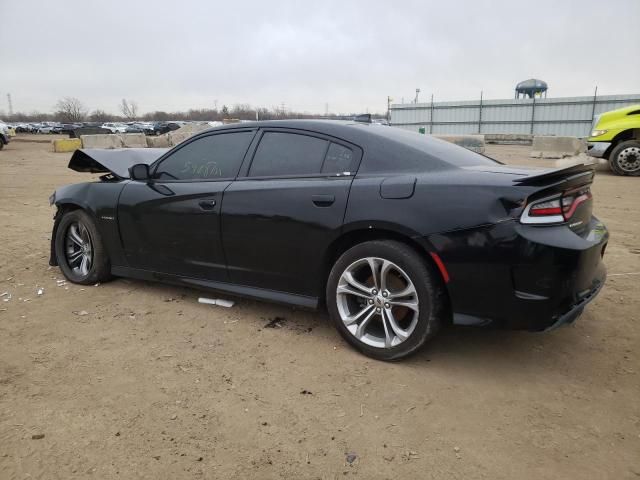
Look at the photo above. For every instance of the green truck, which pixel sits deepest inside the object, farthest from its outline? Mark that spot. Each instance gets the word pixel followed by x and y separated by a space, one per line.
pixel 616 137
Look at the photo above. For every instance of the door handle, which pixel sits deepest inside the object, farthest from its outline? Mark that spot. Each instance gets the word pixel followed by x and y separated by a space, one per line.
pixel 207 204
pixel 323 200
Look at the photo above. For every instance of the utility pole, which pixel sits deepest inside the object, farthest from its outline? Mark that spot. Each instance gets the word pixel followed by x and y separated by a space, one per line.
pixel 417 93
pixel 389 100
pixel 595 100
pixel 480 114
pixel 431 116
pixel 10 104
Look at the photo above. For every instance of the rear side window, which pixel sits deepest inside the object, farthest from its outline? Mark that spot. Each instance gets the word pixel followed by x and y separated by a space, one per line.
pixel 206 158
pixel 338 160
pixel 281 154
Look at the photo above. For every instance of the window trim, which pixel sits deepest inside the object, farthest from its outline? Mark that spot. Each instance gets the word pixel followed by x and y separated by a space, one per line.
pixel 355 162
pixel 153 168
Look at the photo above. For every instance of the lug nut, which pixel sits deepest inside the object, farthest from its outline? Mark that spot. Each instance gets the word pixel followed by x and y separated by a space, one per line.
pixel 385 293
pixel 371 301
pixel 378 310
pixel 374 291
pixel 386 305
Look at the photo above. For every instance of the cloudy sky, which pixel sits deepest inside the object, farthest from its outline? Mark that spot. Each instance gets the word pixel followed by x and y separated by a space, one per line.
pixel 180 54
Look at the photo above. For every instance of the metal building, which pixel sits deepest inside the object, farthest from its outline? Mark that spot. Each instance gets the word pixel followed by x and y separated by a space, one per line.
pixel 571 116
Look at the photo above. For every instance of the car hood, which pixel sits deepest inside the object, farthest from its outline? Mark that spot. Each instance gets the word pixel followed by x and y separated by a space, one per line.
pixel 115 161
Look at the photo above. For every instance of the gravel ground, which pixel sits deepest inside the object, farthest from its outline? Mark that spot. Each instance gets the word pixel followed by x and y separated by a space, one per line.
pixel 137 380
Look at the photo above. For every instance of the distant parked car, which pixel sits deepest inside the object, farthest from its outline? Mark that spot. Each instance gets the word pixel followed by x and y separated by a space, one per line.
pixel 146 127
pixel 89 130
pixel 165 127
pixel 133 129
pixel 67 128
pixel 115 127
pixel 46 129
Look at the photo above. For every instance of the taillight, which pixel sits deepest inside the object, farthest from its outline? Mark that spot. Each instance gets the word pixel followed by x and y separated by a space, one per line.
pixel 556 209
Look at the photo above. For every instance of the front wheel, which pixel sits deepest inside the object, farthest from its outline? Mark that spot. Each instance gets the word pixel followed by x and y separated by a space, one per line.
pixel 79 249
pixel 384 299
pixel 625 158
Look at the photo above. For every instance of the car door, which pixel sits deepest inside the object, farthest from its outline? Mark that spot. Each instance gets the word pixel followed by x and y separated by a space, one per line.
pixel 282 212
pixel 171 224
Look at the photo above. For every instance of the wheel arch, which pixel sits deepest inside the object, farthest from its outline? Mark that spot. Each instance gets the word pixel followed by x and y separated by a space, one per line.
pixel 629 134
pixel 63 207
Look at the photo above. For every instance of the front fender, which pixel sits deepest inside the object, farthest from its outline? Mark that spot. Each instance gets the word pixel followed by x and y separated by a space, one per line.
pixel 100 200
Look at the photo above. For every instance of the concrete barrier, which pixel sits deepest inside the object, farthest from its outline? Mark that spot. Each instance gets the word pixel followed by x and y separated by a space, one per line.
pixel 180 135
pixel 161 141
pixel 101 141
pixel 471 142
pixel 174 138
pixel 556 147
pixel 133 140
pixel 66 145
pixel 508 138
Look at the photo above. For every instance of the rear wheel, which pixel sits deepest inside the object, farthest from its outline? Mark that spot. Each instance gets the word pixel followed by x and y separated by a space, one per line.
pixel 384 299
pixel 80 251
pixel 625 158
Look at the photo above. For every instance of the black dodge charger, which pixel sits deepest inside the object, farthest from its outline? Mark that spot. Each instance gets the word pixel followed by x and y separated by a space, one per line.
pixel 396 233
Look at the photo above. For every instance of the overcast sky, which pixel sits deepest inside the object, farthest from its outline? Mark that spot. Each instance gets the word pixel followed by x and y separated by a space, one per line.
pixel 181 54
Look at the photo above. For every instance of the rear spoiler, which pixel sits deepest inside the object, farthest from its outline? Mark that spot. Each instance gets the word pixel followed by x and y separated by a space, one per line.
pixel 568 173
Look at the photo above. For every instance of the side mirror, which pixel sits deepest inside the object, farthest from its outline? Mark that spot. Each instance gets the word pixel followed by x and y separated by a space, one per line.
pixel 140 171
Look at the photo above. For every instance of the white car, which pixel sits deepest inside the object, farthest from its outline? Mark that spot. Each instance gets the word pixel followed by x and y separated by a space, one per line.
pixel 46 128
pixel 115 127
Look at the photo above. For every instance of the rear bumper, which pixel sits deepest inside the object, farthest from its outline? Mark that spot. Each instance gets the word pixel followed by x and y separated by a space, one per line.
pixel 576 310
pixel 597 149
pixel 522 277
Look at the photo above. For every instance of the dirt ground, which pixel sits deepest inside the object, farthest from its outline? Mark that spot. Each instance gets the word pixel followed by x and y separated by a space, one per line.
pixel 136 380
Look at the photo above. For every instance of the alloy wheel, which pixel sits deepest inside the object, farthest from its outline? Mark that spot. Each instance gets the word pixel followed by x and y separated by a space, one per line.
pixel 78 249
pixel 377 302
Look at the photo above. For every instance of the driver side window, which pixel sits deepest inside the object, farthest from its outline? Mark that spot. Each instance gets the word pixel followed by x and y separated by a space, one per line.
pixel 207 158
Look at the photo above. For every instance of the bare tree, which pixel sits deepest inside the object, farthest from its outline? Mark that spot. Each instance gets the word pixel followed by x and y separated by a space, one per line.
pixel 129 109
pixel 100 116
pixel 70 109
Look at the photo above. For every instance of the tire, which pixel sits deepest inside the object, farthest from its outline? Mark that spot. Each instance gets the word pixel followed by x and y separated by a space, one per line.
pixel 625 158
pixel 373 333
pixel 98 268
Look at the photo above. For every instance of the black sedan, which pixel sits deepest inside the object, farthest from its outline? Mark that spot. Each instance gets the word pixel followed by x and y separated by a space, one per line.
pixel 396 233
